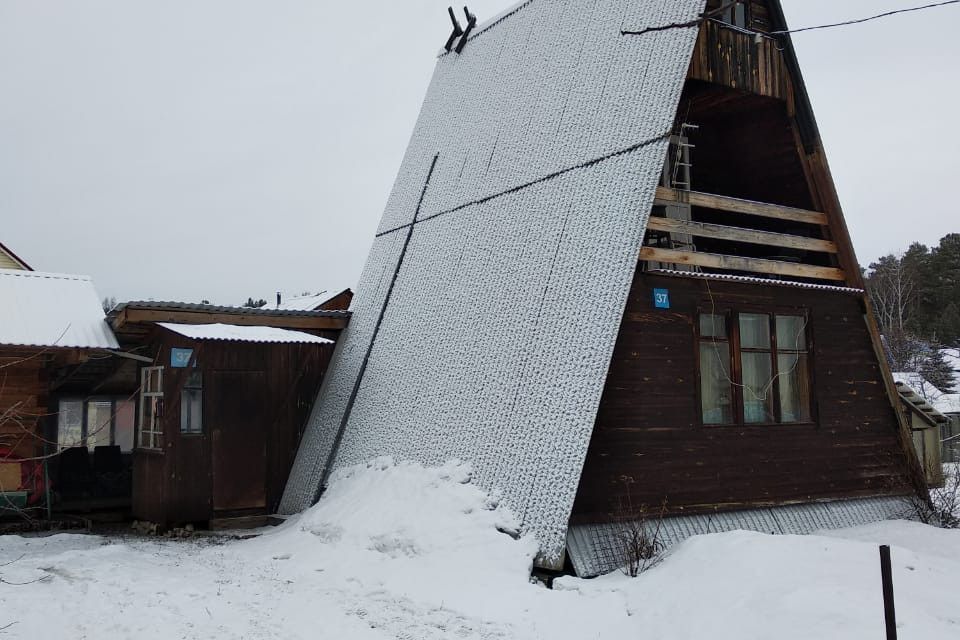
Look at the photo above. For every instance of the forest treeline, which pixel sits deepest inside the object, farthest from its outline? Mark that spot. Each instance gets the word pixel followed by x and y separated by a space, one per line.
pixel 916 296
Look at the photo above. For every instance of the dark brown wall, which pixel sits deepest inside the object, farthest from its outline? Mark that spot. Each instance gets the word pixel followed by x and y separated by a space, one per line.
pixel 177 485
pixel 24 385
pixel 648 427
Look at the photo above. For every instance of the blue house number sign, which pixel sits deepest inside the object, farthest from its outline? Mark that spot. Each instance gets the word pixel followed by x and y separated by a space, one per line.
pixel 661 298
pixel 180 358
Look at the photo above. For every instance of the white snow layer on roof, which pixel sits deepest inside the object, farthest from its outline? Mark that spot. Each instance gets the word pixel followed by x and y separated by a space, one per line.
pixel 239 333
pixel 485 353
pixel 304 303
pixel 51 310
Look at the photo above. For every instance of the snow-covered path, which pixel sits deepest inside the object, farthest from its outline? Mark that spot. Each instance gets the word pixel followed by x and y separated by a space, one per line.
pixel 398 551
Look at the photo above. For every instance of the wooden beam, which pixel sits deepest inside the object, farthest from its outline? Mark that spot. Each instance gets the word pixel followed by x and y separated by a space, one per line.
pixel 186 316
pixel 737 263
pixel 665 195
pixel 704 230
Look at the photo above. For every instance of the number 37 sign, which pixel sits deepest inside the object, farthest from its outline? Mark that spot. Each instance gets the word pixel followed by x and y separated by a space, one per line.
pixel 661 298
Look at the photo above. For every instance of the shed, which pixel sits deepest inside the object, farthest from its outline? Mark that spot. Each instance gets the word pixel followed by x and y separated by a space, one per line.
pixel 220 414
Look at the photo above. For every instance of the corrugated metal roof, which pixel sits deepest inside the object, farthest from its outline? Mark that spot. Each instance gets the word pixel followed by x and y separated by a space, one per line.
pixel 753 280
pixel 593 548
pixel 212 308
pixel 51 310
pixel 237 333
pixel 529 178
pixel 306 303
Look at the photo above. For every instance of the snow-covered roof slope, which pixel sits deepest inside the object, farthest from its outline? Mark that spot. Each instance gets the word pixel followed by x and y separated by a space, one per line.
pixel 51 310
pixel 305 303
pixel 239 333
pixel 530 174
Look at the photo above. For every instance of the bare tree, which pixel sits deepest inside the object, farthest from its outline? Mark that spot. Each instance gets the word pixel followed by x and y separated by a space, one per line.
pixel 892 290
pixel 637 542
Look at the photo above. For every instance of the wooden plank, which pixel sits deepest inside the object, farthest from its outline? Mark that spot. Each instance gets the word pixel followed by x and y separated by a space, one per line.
pixel 665 195
pixel 722 232
pixel 737 263
pixel 133 315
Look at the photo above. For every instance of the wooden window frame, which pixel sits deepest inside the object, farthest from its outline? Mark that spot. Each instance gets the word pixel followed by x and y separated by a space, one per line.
pixel 154 436
pixel 85 402
pixel 731 314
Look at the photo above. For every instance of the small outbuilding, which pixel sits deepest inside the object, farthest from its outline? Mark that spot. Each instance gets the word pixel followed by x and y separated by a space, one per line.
pixel 221 407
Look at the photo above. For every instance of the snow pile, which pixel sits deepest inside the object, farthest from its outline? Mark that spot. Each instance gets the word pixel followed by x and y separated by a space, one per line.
pixel 402 551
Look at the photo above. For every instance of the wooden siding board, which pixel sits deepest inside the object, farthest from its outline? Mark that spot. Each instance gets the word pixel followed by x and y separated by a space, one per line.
pixel 648 426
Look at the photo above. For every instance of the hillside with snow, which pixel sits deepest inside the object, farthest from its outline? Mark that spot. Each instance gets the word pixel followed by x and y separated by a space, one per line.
pixel 399 551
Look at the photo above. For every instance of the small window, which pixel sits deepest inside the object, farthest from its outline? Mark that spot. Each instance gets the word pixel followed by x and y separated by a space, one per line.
pixel 151 408
pixel 771 384
pixel 191 404
pixel 735 14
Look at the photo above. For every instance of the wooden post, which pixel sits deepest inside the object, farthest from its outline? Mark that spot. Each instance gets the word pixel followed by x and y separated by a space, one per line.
pixel 886 575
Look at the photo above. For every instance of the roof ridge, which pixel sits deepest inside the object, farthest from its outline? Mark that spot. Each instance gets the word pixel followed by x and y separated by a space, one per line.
pixel 20 273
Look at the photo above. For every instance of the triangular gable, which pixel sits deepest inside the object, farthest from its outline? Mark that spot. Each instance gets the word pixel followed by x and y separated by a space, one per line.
pixel 530 172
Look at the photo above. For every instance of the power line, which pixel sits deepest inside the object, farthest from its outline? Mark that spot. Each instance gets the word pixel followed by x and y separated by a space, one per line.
pixel 708 15
pixel 868 19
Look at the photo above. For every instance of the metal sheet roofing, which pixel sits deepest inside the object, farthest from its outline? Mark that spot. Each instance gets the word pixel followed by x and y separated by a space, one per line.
pixel 51 310
pixel 237 333
pixel 728 277
pixel 594 549
pixel 526 184
pixel 213 308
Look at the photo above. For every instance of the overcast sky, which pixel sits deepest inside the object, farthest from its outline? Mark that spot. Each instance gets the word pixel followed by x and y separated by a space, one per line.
pixel 220 149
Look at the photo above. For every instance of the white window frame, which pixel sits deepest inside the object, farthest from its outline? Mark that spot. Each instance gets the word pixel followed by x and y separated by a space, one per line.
pixel 150 436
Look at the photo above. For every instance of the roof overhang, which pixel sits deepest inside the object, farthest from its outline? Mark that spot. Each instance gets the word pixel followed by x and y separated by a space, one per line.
pixel 132 313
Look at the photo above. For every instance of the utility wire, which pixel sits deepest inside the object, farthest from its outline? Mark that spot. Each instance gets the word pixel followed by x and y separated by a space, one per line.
pixel 710 14
pixel 868 19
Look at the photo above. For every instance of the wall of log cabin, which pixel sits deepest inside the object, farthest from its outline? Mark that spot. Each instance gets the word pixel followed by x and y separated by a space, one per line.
pixel 175 485
pixel 24 386
pixel 649 430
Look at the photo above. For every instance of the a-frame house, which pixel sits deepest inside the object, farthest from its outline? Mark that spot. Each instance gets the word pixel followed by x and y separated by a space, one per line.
pixel 614 271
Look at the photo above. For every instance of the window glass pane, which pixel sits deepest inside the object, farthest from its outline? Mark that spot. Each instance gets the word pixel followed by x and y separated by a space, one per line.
pixel 99 418
pixel 123 425
pixel 191 420
pixel 716 398
pixel 757 388
pixel 794 380
pixel 70 424
pixel 754 331
pixel 791 333
pixel 713 325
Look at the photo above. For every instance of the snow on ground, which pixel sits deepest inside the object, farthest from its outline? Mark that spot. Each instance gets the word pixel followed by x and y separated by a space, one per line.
pixel 399 551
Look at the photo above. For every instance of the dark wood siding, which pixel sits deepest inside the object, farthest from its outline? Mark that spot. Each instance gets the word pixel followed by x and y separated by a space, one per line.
pixel 24 387
pixel 275 384
pixel 649 435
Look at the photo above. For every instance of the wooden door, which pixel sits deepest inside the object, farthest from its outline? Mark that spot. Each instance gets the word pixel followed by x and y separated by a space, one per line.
pixel 237 406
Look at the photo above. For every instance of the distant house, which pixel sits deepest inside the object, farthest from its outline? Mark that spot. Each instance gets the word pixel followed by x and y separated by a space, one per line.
pixel 928 426
pixel 946 406
pixel 322 301
pixel 10 260
pixel 224 395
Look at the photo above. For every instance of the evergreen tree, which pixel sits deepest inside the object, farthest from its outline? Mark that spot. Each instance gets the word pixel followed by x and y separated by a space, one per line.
pixel 255 304
pixel 935 369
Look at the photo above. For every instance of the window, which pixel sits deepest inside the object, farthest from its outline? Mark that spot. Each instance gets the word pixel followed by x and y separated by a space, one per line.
pixel 95 422
pixel 191 404
pixel 151 408
pixel 735 14
pixel 754 368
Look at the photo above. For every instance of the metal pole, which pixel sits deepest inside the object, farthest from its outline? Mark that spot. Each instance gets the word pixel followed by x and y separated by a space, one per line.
pixel 886 574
